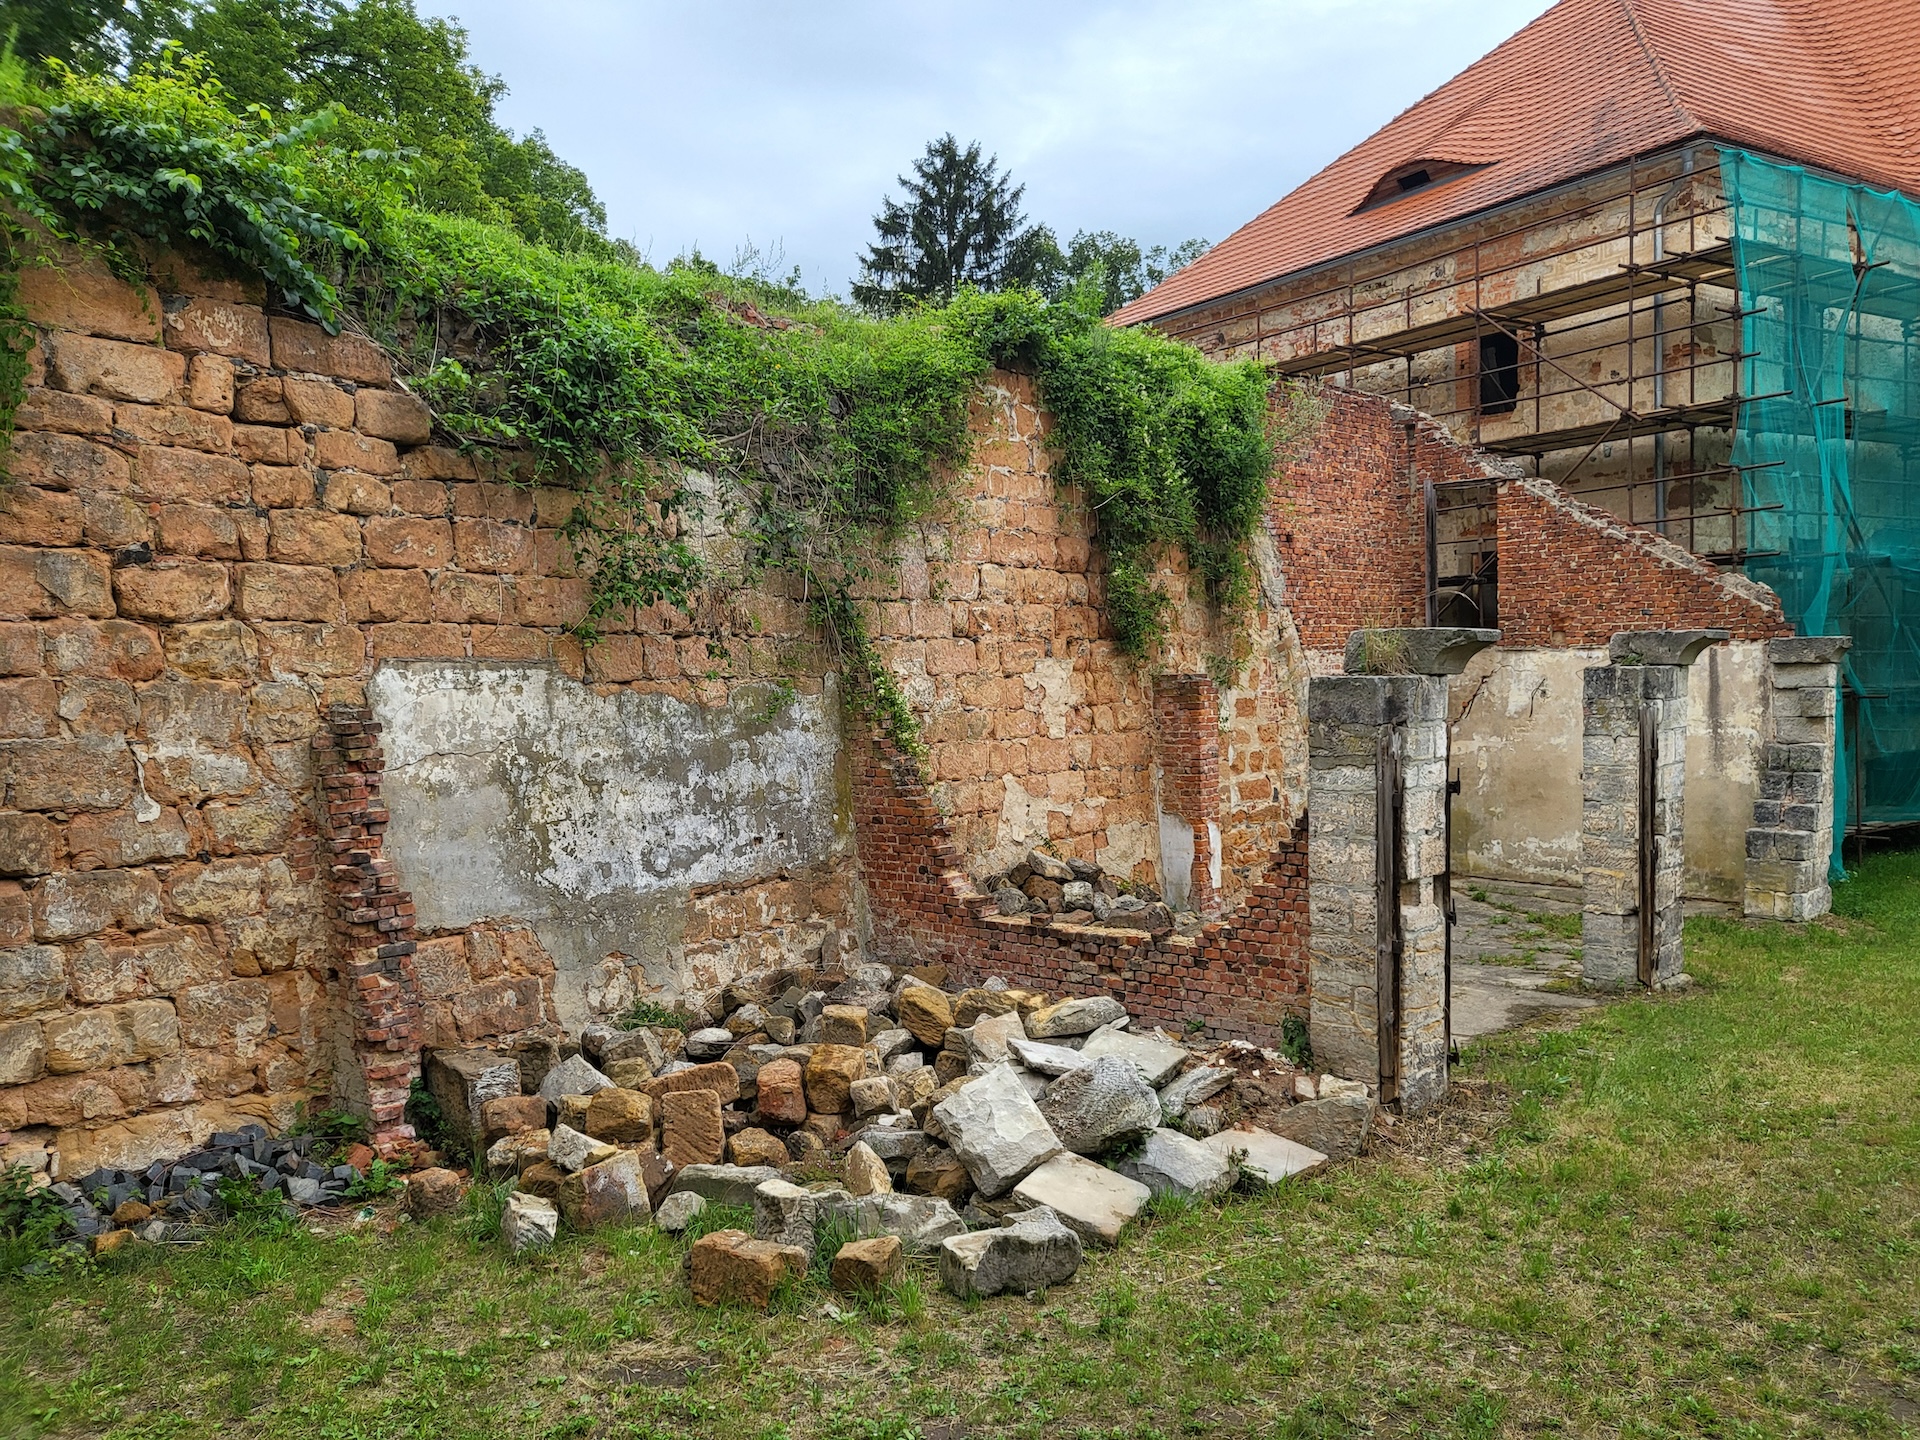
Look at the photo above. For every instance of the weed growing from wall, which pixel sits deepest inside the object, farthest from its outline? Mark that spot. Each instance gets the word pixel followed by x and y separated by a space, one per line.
pixel 820 434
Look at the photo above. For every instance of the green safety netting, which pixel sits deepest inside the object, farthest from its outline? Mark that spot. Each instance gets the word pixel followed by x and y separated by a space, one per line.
pixel 1829 277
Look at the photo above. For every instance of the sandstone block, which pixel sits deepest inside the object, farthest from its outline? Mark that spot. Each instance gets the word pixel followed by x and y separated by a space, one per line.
pixel 210 384
pixel 262 402
pixel 85 902
pixel 543 1178
pixel 492 547
pixel 573 1076
pixel 173 475
pixel 1074 1017
pixel 316 402
pixel 92 773
pixel 868 1266
pixel 66 462
pixel 176 425
pixel 866 1173
pixel 356 493
pixel 731 1267
pixel 831 1071
pixel 622 1117
pixel 676 1212
pixel 115 838
pixel 114 369
pixel 23 1052
pixel 723 1184
pixel 612 1192
pixel 172 590
pixel 573 1150
pixel 506 1115
pixel 287 592
pixel 37 583
pixel 313 537
pixel 218 327
pixel 972 1004
pixel 211 531
pixel 871 1096
pixel 282 487
pixel 843 1025
pixel 434 1192
pixel 754 1146
pixel 393 415
pixel 85 299
pixel 110 1035
pixel 463 1082
pixel 782 1095
pixel 718 1076
pixel 32 977
pixel 30 516
pixel 691 1131
pixel 29 844
pixel 44 409
pixel 381 595
pixel 308 349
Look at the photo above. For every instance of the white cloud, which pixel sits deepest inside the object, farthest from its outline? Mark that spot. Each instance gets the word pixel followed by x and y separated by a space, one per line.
pixel 711 124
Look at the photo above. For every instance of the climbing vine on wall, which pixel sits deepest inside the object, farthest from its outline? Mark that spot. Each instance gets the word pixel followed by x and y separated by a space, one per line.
pixel 819 435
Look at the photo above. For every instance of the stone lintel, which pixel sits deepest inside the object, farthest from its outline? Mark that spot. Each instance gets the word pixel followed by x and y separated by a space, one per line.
pixel 1662 647
pixel 1808 649
pixel 1415 650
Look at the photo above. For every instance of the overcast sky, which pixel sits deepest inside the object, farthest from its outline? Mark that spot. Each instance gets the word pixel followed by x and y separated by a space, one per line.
pixel 785 123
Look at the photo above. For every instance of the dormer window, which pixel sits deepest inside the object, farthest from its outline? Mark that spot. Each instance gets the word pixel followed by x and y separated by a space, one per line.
pixel 1413 177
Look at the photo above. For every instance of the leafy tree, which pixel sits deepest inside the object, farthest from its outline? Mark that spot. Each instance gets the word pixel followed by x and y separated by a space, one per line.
pixel 405 82
pixel 92 35
pixel 957 226
pixel 1118 268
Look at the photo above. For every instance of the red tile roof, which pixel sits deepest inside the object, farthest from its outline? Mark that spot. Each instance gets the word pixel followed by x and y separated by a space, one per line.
pixel 1830 83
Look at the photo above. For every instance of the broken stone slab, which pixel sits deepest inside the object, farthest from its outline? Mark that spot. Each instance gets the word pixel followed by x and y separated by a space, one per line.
pixel 937 1171
pixel 1032 1251
pixel 924 1010
pixel 732 1267
pixel 1099 1104
pixel 865 1267
pixel 786 1214
pixel 573 1076
pixel 1264 1157
pixel 920 1221
pixel 996 1130
pixel 723 1184
pixel 1170 1163
pixel 866 1173
pixel 1096 1203
pixel 1047 867
pixel 1808 649
pixel 462 1082
pixel 1074 1017
pixel 716 1075
pixel 1046 1059
pixel 989 1036
pixel 709 1044
pixel 634 1045
pixel 871 1096
pixel 754 1146
pixel 895 1145
pixel 1415 650
pixel 528 1222
pixel 1156 1059
pixel 613 1192
pixel 1662 647
pixel 831 1071
pixel 678 1211
pixel 571 1150
pixel 889 1043
pixel 1196 1087
pixel 1336 1125
pixel 511 1154
pixel 620 1117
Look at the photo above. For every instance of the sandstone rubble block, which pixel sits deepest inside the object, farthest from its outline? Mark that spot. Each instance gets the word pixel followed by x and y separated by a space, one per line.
pixel 868 1266
pixel 996 1130
pixel 528 1222
pixel 730 1267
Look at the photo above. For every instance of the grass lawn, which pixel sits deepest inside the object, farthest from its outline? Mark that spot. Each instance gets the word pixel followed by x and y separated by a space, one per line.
pixel 1696 1215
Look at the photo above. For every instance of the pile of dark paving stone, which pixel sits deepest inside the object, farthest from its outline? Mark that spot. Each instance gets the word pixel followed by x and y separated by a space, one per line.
pixel 1079 892
pixel 173 1200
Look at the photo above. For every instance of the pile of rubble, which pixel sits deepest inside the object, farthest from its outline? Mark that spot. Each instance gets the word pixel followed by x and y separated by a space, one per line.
pixel 1079 893
pixel 994 1128
pixel 174 1200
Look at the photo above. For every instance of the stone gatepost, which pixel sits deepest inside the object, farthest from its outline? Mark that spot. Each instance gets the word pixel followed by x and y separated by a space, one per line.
pixel 1633 781
pixel 1377 861
pixel 1791 842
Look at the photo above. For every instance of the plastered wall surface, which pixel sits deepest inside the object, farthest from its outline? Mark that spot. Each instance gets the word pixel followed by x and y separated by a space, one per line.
pixel 611 821
pixel 1517 751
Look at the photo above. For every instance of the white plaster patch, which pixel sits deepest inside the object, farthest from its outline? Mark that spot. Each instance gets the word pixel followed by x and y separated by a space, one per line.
pixel 1023 823
pixel 1053 678
pixel 1176 860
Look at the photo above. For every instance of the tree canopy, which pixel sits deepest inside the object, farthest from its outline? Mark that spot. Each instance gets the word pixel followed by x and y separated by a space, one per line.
pixel 959 225
pixel 404 82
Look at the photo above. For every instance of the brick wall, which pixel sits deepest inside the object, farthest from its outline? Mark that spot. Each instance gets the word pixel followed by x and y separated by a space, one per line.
pixel 1239 976
pixel 1572 574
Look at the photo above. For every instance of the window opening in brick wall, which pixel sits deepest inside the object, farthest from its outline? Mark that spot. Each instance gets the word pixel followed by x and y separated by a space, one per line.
pixel 1499 374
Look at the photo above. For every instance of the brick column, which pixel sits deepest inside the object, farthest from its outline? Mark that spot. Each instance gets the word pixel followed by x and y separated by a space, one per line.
pixel 1186 711
pixel 373 920
pixel 1357 727
pixel 1790 845
pixel 1633 783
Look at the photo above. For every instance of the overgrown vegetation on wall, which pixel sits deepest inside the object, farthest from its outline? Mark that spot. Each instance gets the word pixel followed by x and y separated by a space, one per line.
pixel 827 432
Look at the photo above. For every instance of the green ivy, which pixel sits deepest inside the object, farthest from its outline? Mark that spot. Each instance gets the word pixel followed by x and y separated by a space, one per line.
pixel 821 435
